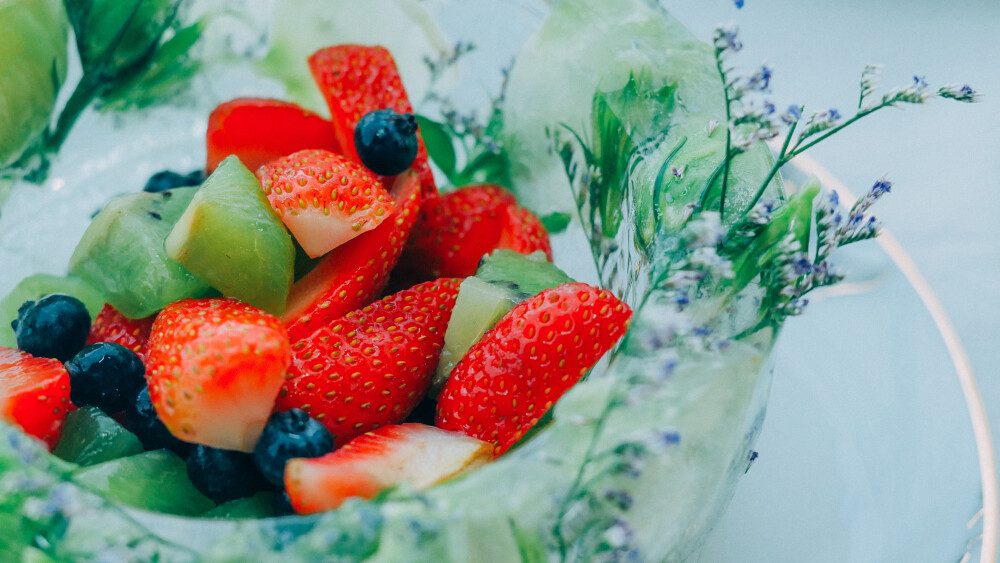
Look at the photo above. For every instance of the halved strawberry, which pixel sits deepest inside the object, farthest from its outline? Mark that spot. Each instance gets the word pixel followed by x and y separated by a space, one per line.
pixel 462 226
pixel 355 80
pixel 412 454
pixel 518 369
pixel 351 275
pixel 112 326
pixel 373 366
pixel 214 368
pixel 259 130
pixel 34 394
pixel 324 199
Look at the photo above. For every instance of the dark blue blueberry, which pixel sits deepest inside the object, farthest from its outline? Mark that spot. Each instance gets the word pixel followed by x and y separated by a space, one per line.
pixel 386 141
pixel 105 375
pixel 289 434
pixel 283 504
pixel 20 311
pixel 143 421
pixel 55 326
pixel 222 475
pixel 168 180
pixel 425 412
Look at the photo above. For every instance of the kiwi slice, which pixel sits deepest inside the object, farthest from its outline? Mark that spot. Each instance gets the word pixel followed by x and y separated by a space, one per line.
pixel 504 279
pixel 91 437
pixel 230 237
pixel 260 505
pixel 156 481
pixel 122 256
pixel 37 286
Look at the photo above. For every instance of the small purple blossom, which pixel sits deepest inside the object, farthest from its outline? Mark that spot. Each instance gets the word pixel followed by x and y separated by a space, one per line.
pixel 760 81
pixel 727 39
pixel 820 121
pixel 792 115
pixel 915 93
pixel 702 331
pixel 964 93
pixel 670 437
pixel 619 535
pixel 828 221
pixel 800 264
pixel 881 187
pixel 760 214
pixel 619 498
pixel 738 4
pixel 681 299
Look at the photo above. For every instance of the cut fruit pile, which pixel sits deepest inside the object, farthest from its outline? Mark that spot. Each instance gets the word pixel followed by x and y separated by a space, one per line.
pixel 211 376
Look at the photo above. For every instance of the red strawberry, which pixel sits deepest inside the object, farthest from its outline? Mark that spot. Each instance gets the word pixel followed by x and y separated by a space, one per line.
pixel 324 199
pixel 414 454
pixel 112 326
pixel 356 80
pixel 460 227
pixel 214 368
pixel 518 369
pixel 371 367
pixel 351 275
pixel 260 130
pixel 34 394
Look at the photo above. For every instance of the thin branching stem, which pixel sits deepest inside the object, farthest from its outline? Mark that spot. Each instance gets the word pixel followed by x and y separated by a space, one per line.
pixel 729 133
pixel 782 159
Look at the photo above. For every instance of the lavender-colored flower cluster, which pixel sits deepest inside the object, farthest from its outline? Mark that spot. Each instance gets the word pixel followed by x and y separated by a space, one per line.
pixel 726 39
pixel 795 274
pixel 860 224
pixel 963 93
pixel 447 59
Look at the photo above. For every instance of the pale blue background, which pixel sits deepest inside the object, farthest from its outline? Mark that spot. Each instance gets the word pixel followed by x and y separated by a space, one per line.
pixel 945 161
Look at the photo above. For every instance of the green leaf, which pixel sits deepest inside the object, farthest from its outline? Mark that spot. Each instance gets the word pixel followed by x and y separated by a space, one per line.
pixel 113 36
pixel 613 146
pixel 556 222
pixel 486 168
pixel 802 223
pixel 166 75
pixel 439 143
pixel 33 39
pixel 794 216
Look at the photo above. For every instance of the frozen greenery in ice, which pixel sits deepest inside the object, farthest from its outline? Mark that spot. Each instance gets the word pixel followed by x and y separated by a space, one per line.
pixel 464 148
pixel 133 54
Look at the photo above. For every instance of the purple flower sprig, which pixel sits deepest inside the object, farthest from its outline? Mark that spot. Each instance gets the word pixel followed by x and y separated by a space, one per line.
pixel 749 122
pixel 794 271
pixel 822 125
pixel 447 59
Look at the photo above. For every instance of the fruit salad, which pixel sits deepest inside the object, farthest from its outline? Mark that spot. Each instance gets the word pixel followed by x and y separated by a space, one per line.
pixel 302 389
pixel 405 333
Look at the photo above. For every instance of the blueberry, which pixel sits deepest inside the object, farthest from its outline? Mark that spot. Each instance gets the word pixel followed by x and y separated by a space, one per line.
pixel 424 413
pixel 283 504
pixel 55 326
pixel 289 434
pixel 222 475
pixel 168 180
pixel 105 375
pixel 386 141
pixel 146 425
